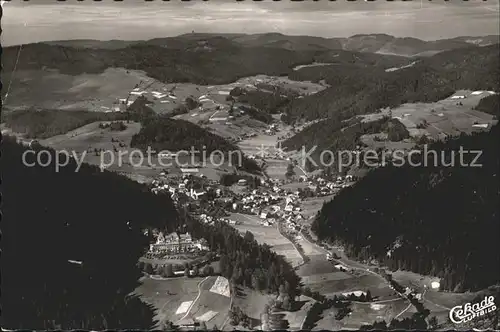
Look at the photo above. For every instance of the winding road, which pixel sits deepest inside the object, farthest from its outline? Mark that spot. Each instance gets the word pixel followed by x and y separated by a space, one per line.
pixel 194 301
pixel 362 268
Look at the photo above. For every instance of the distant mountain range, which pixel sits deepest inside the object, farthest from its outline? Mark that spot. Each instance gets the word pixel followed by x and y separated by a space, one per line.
pixel 373 43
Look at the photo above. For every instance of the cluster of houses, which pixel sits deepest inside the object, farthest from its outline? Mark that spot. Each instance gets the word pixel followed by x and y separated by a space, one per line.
pixel 272 130
pixel 270 201
pixel 176 191
pixel 322 186
pixel 206 219
pixel 271 205
pixel 184 186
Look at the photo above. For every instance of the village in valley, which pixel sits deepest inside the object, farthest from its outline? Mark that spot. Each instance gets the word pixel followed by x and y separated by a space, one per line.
pixel 277 211
pixel 230 166
pixel 182 278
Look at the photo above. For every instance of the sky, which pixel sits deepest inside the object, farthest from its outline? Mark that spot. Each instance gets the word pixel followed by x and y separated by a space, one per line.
pixel 43 20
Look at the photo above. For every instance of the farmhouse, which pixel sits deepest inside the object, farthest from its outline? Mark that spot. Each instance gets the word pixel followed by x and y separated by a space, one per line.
pixel 177 243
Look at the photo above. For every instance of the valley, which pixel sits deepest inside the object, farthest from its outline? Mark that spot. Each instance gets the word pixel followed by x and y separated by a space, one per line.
pixel 275 242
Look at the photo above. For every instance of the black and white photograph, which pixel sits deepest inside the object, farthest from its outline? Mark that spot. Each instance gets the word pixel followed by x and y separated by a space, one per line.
pixel 229 165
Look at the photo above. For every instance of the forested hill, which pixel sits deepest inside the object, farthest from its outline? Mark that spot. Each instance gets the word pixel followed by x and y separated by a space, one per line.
pixel 357 90
pixel 208 60
pixel 88 216
pixel 174 135
pixel 381 43
pixel 441 221
pixel 214 61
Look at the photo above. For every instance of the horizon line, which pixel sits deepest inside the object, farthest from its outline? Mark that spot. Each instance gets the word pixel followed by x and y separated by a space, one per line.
pixel 221 34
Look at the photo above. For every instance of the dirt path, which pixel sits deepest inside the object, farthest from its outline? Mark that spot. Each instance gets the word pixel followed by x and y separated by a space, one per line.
pixel 429 301
pixel 358 266
pixel 404 310
pixel 227 318
pixel 194 301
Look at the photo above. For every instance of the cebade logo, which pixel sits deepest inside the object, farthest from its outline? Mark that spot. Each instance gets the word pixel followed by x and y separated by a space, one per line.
pixel 465 313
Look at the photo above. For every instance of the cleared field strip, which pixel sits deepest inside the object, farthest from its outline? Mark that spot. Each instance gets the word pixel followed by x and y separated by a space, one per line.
pixel 207 316
pixel 449 116
pixel 166 296
pixel 196 299
pixel 183 308
pixel 221 287
pixel 318 278
pixel 209 305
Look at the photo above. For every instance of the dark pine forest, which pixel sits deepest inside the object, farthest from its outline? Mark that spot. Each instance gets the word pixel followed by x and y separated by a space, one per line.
pixel 98 218
pixel 434 220
pixel 92 217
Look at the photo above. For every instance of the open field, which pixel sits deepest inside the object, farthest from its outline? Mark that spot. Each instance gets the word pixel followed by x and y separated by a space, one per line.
pixel 211 307
pixel 387 304
pixel 362 314
pixel 253 145
pixel 182 298
pixel 268 146
pixel 52 90
pixel 235 128
pixel 446 117
pixel 435 300
pixel 269 235
pixel 91 136
pixel 252 303
pixel 85 139
pixel 231 129
pixel 343 282
pixel 48 88
pixel 296 318
pixel 325 277
pixel 166 296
